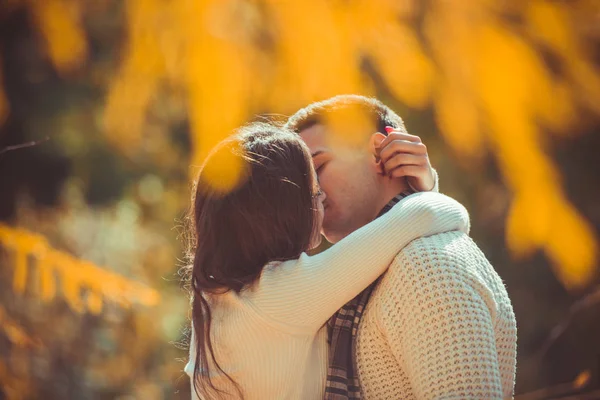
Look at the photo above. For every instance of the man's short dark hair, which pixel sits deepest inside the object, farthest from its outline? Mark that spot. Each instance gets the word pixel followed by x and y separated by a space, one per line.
pixel 318 113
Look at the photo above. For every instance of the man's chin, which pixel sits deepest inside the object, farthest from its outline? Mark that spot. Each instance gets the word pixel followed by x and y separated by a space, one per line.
pixel 332 236
pixel 316 242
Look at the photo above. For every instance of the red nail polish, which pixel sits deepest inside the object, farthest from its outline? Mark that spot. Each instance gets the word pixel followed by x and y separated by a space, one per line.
pixel 389 129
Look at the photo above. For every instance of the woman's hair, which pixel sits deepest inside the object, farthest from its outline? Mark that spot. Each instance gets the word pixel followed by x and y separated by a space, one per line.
pixel 268 216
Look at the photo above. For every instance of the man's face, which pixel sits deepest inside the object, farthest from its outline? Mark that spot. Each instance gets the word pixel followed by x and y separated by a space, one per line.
pixel 348 178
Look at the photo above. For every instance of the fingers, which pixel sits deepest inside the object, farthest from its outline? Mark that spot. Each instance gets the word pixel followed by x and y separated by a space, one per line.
pixel 408 171
pixel 398 135
pixel 393 142
pixel 402 146
pixel 399 159
pixel 401 154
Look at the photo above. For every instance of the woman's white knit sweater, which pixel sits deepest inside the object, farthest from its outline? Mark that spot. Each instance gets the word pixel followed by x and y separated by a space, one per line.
pixel 270 337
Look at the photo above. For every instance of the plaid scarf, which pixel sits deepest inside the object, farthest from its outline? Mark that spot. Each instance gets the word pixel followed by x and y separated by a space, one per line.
pixel 342 329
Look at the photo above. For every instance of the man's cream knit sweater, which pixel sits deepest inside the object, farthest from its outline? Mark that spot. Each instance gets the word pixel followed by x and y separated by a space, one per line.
pixel 439 325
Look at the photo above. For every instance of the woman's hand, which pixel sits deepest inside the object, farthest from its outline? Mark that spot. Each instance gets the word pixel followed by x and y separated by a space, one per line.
pixel 403 155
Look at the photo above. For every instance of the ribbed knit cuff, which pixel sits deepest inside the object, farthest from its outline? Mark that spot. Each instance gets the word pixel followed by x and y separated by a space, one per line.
pixel 436 183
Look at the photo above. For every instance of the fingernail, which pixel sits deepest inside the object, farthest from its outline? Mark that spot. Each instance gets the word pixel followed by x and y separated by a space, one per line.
pixel 389 129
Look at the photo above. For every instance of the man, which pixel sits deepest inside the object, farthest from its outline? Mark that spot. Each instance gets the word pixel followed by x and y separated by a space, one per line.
pixel 439 323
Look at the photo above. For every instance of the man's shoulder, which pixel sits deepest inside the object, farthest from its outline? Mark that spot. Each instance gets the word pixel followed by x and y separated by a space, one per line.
pixel 451 254
pixel 433 264
pixel 447 245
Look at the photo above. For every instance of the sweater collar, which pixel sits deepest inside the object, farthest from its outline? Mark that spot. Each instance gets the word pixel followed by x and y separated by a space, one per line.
pixel 395 200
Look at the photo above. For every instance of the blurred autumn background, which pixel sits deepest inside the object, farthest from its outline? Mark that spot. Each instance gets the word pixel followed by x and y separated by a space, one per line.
pixel 121 99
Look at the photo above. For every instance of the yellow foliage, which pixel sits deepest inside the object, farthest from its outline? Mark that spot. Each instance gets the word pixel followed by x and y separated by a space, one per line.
pixel 549 22
pixel 348 128
pixel 571 245
pixel 15 332
pixel 133 87
pixel 47 281
pixel 13 387
pixel 216 76
pixel 457 117
pixel 77 277
pixel 582 379
pixel 508 78
pixel 60 25
pixel 312 60
pixel 399 58
pixel 226 169
pixel 488 85
pixel 455 101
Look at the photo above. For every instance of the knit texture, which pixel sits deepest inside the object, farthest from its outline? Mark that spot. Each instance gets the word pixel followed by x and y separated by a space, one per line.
pixel 439 325
pixel 270 337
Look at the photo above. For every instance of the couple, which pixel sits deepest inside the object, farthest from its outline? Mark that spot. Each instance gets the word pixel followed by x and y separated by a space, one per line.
pixel 404 305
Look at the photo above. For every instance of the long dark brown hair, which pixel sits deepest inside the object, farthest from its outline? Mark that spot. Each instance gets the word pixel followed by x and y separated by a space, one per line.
pixel 268 216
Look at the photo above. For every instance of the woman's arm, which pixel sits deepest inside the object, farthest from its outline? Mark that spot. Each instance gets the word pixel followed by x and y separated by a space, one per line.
pixel 304 293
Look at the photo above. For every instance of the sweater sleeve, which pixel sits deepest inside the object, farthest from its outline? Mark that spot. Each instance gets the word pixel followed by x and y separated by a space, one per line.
pixel 304 293
pixel 439 326
pixel 436 182
pixel 189 367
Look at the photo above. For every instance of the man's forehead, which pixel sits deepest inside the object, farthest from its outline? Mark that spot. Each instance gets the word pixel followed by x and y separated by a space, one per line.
pixel 342 132
pixel 315 138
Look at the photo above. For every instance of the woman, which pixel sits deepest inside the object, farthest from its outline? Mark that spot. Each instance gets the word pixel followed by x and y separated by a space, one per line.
pixel 259 302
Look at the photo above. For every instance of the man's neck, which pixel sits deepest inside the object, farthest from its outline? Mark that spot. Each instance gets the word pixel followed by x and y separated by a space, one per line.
pixel 390 189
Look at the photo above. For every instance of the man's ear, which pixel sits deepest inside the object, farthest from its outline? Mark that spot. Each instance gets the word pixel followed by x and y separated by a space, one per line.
pixel 374 143
pixel 375 140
